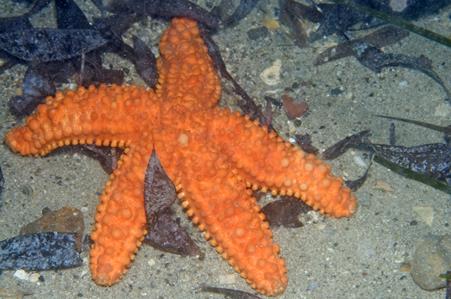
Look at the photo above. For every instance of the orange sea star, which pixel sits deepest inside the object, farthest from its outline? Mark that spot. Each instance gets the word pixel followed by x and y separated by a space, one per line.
pixel 214 157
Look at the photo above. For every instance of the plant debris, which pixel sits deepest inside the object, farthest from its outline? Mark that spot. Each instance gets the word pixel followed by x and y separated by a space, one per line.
pixel 48 44
pixel 40 251
pixel 446 130
pixel 380 38
pixel 242 10
pixel 427 163
pixel 228 293
pixel 400 21
pixel 305 142
pixel 354 185
pixel 343 145
pixel 431 160
pixel 107 156
pixel 163 8
pixel 247 105
pixel 36 86
pixel 165 233
pixel 64 220
pixel 375 59
pixel 294 108
pixel 285 212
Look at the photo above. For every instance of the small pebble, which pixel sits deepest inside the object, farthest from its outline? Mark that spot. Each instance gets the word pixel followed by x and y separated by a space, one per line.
pixel 432 257
pixel 271 23
pixel 424 214
pixel 227 279
pixel 405 267
pixel 360 162
pixel 403 84
pixel 398 5
pixel 271 75
pixel 383 186
pixel 294 108
pixel 151 262
pixel 443 110
pixel 28 276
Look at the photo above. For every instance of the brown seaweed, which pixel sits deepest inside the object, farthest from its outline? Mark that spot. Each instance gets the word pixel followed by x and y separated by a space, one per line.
pixel 165 233
pixel 107 156
pixel 229 293
pixel 305 142
pixel 337 19
pixel 48 44
pixel 145 62
pixel 40 251
pixel 355 184
pixel 289 18
pixel 343 145
pixel 36 86
pixel 399 21
pixel 375 59
pixel 163 8
pixel 432 160
pixel 64 220
pixel 446 130
pixel 380 38
pixel 412 9
pixel 241 11
pixel 247 105
pixel 70 16
pixel 285 212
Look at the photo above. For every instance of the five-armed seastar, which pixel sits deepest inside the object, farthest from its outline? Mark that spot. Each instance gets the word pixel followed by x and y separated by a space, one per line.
pixel 214 157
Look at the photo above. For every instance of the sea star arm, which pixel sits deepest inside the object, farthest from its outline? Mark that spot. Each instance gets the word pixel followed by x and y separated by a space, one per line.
pixel 266 161
pixel 107 115
pixel 120 218
pixel 187 77
pixel 224 209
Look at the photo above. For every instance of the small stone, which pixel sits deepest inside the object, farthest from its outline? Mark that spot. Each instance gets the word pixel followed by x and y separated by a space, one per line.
pixel 359 161
pixel 271 23
pixel 227 279
pixel 28 276
pixel 405 267
pixel 294 108
pixel 34 277
pixel 442 110
pixel 403 84
pixel 424 214
pixel 432 258
pixel 64 220
pixel 21 274
pixel 398 5
pixel 151 262
pixel 271 75
pixel 383 186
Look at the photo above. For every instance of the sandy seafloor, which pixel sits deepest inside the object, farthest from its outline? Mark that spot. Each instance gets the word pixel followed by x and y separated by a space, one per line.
pixel 359 257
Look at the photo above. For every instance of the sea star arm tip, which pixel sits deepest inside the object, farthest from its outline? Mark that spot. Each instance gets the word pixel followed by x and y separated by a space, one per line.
pixel 120 219
pixel 186 73
pixel 266 161
pixel 107 115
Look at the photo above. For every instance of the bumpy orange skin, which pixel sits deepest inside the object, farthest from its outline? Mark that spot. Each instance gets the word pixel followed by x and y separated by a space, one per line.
pixel 214 157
